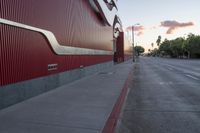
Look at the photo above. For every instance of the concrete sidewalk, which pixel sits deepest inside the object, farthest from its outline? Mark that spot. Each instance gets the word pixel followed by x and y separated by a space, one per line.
pixel 83 106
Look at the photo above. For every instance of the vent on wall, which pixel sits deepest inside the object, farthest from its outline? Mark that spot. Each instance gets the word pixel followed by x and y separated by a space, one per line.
pixel 52 67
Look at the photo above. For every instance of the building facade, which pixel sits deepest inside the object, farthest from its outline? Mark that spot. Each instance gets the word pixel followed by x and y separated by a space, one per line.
pixel 46 44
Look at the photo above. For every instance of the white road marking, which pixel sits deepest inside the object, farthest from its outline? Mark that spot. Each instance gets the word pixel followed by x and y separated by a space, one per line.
pixel 170 65
pixel 169 68
pixel 166 83
pixel 191 77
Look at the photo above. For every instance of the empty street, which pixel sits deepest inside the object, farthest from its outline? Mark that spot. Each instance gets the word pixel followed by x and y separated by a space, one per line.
pixel 164 97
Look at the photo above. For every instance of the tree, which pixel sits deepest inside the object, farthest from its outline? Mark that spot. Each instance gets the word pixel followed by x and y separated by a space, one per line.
pixel 139 50
pixel 154 52
pixel 177 47
pixel 158 41
pixel 181 47
pixel 152 44
pixel 165 48
pixel 192 46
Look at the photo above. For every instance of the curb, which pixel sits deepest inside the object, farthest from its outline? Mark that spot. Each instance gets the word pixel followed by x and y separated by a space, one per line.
pixel 113 118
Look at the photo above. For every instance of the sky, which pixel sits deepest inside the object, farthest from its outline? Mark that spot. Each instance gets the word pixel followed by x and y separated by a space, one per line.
pixel 168 18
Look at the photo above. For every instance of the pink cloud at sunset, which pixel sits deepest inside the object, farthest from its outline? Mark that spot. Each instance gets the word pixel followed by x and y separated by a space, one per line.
pixel 138 29
pixel 173 25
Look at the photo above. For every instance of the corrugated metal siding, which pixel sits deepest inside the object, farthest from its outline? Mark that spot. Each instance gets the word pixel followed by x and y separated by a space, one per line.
pixel 25 54
pixel 0 54
pixel 72 21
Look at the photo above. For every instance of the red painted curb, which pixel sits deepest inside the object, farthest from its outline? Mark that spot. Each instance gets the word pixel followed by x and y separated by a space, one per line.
pixel 112 120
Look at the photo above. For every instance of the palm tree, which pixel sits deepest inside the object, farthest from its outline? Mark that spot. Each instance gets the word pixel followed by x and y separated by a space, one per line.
pixel 152 44
pixel 158 41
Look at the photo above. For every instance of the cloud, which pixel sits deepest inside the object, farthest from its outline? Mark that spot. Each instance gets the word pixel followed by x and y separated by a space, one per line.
pixel 139 30
pixel 173 25
pixel 153 28
pixel 140 33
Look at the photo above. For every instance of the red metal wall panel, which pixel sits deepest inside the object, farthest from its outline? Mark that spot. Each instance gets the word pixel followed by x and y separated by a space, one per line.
pixel 26 54
pixel 119 55
pixel 0 54
pixel 73 22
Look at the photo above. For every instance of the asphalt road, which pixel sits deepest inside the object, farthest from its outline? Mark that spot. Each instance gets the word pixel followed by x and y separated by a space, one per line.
pixel 164 97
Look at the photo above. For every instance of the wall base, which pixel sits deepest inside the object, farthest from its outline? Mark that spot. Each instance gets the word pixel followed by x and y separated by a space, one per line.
pixel 14 93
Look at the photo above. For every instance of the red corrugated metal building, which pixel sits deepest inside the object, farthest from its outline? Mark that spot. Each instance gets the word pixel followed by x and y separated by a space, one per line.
pixel 48 37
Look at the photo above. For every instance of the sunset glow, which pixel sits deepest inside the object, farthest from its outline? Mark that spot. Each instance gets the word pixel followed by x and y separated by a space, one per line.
pixel 170 19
